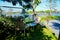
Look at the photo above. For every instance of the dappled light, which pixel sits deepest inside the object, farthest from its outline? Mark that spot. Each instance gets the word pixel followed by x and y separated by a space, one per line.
pixel 29 20
pixel 14 30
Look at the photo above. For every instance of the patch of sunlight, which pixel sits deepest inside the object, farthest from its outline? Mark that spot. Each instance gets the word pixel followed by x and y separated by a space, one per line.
pixel 46 32
pixel 49 32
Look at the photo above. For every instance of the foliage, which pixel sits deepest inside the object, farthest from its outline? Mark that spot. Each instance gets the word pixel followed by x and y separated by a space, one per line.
pixel 8 31
pixel 21 2
pixel 47 11
pixel 0 10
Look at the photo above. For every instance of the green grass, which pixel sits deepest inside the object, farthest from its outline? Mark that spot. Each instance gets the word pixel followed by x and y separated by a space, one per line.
pixel 56 17
pixel 44 18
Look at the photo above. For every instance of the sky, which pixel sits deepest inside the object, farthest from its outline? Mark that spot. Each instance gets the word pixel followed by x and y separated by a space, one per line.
pixel 44 5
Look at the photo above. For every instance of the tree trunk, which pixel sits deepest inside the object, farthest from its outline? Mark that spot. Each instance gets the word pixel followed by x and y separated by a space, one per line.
pixel 23 12
pixel 34 13
pixel 50 10
pixel 0 12
pixel 50 7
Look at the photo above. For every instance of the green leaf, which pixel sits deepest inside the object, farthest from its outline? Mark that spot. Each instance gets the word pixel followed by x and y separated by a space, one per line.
pixel 37 2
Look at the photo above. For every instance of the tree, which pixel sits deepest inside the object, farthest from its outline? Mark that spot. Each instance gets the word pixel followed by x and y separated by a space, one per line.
pixel 26 4
pixel 0 11
pixel 52 5
pixel 34 5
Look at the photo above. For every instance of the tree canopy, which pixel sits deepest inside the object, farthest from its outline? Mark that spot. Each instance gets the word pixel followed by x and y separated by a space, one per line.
pixel 24 3
pixel 0 10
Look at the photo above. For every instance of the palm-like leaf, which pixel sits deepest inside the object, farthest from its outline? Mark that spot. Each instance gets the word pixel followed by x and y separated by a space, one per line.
pixel 37 2
pixel 14 2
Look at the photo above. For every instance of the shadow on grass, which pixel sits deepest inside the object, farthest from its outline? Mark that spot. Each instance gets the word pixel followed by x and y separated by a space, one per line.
pixel 56 25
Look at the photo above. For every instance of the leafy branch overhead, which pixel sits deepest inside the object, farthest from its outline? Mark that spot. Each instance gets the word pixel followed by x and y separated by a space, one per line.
pixel 24 3
pixel 37 2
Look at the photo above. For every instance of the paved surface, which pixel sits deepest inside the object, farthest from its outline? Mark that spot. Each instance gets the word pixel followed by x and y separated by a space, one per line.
pixel 54 25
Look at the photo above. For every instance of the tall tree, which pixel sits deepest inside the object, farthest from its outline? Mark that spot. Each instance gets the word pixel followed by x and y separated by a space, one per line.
pixel 52 5
pixel 0 11
pixel 26 4
pixel 34 5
